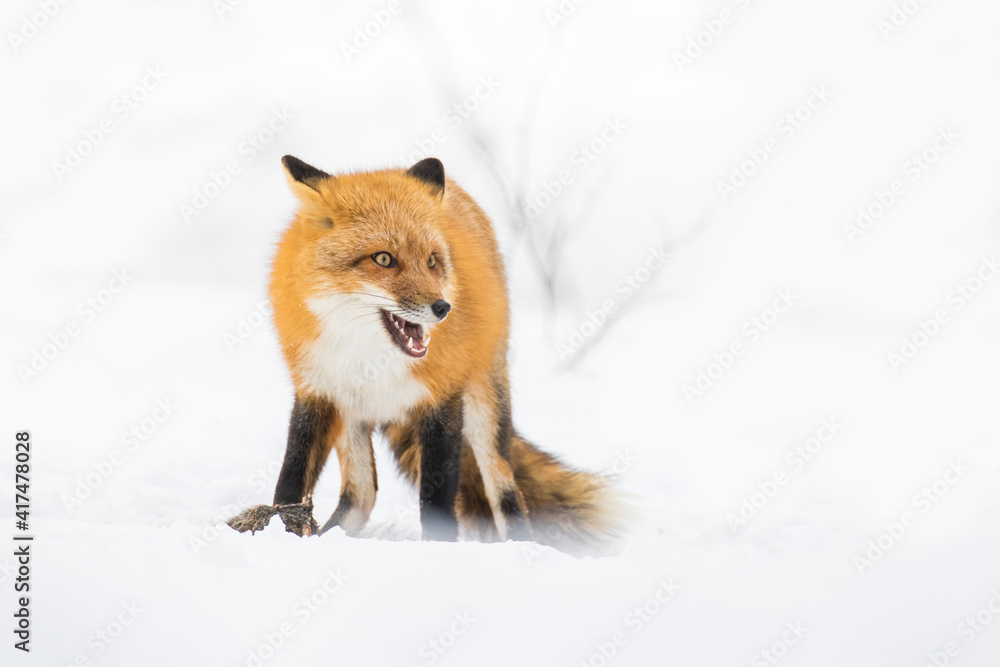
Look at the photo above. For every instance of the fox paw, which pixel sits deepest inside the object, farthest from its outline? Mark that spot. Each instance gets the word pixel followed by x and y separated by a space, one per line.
pixel 299 519
pixel 253 519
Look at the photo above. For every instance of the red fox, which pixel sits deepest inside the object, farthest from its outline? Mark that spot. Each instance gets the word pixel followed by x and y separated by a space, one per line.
pixel 390 304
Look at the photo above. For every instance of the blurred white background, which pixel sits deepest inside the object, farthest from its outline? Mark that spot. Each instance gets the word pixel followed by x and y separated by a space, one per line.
pixel 141 198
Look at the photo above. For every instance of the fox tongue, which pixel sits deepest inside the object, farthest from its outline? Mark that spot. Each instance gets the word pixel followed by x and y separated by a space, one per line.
pixel 409 335
pixel 414 331
pixel 414 345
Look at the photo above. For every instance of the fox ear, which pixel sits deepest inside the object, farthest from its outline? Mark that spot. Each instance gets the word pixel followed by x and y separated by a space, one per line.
pixel 300 173
pixel 430 171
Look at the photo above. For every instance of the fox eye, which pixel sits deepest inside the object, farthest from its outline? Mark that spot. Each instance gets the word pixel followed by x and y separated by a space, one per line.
pixel 384 259
pixel 431 263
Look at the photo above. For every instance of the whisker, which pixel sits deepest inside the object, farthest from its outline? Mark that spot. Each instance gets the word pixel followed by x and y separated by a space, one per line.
pixel 347 306
pixel 347 302
pixel 357 317
pixel 374 296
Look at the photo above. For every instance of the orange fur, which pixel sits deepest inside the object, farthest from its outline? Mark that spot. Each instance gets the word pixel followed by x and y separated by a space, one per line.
pixel 327 292
pixel 389 211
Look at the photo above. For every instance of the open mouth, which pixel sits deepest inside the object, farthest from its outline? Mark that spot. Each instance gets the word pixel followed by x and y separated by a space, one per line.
pixel 409 336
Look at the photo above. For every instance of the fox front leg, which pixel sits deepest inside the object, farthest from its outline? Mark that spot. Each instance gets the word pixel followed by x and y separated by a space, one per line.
pixel 358 481
pixel 308 447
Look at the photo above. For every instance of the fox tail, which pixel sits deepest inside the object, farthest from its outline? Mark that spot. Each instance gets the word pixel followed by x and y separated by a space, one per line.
pixel 569 509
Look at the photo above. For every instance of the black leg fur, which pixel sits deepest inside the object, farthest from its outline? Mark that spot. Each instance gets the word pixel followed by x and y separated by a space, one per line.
pixel 307 429
pixel 441 446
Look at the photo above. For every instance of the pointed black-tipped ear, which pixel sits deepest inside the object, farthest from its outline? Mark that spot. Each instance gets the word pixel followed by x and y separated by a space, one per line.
pixel 430 171
pixel 300 172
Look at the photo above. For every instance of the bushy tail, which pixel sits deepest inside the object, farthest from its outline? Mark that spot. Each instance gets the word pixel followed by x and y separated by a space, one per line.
pixel 569 509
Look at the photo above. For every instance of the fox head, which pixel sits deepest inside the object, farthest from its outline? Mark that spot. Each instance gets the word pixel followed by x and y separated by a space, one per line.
pixel 372 251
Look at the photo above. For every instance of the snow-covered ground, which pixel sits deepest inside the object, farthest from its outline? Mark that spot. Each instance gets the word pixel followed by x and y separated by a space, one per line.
pixel 807 496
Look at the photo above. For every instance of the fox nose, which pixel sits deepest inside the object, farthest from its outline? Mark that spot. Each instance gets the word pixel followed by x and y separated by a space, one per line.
pixel 440 308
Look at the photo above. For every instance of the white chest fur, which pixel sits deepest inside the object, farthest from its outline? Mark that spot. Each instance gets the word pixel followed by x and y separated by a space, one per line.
pixel 355 364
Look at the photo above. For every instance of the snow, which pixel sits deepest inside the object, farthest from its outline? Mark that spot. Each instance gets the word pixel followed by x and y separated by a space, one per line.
pixel 176 343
